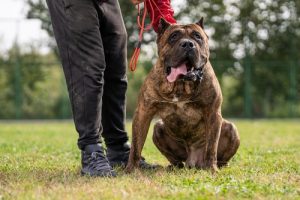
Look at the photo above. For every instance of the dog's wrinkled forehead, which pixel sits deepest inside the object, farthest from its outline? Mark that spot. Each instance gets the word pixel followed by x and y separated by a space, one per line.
pixel 175 32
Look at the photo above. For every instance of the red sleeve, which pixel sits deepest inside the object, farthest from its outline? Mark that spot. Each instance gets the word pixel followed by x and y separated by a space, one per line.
pixel 165 9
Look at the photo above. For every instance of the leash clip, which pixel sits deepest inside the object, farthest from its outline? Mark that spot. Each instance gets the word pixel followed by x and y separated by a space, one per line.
pixel 138 44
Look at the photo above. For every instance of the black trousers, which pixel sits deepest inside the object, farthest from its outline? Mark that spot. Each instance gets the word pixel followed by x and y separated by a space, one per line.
pixel 91 39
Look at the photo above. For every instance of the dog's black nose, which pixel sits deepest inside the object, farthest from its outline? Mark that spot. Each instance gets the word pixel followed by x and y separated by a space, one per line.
pixel 187 44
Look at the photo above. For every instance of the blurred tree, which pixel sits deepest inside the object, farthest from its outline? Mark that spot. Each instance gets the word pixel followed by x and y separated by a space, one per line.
pixel 254 49
pixel 268 28
pixel 38 10
pixel 26 79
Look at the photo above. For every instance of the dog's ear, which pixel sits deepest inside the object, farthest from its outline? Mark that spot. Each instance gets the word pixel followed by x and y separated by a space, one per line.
pixel 162 26
pixel 200 23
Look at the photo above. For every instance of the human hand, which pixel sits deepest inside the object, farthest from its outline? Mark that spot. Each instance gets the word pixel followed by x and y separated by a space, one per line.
pixel 137 1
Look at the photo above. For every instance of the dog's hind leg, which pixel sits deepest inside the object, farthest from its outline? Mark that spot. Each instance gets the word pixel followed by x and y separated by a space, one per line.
pixel 229 143
pixel 172 149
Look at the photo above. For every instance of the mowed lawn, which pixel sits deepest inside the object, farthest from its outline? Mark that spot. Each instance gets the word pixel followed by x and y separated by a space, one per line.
pixel 40 160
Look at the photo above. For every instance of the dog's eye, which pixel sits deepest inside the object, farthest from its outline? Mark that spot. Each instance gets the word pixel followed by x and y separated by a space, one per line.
pixel 174 37
pixel 197 36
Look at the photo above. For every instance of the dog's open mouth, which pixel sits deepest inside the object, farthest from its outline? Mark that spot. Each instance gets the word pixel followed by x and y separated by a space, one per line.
pixel 174 73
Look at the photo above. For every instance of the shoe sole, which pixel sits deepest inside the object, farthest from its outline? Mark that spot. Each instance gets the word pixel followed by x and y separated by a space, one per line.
pixel 111 174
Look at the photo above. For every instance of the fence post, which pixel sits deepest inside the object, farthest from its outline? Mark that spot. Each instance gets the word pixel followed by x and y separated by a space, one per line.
pixel 292 74
pixel 293 89
pixel 247 87
pixel 17 84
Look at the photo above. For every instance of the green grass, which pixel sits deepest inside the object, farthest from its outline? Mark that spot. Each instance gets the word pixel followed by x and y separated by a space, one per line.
pixel 40 160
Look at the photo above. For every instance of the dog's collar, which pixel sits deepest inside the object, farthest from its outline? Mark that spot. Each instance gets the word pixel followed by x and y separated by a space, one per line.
pixel 195 75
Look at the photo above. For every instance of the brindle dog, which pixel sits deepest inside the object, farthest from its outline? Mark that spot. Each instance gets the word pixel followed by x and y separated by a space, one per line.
pixel 182 89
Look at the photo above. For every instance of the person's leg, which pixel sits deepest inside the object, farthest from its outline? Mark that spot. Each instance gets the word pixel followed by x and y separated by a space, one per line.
pixel 114 38
pixel 76 28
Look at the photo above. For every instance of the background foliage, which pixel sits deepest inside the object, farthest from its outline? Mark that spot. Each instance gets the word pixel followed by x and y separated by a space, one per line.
pixel 254 51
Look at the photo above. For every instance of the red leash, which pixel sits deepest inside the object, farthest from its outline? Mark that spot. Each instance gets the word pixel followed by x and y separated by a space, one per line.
pixel 153 9
pixel 141 24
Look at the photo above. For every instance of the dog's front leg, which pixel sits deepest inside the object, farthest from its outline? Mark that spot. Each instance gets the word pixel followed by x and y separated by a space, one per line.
pixel 213 130
pixel 140 125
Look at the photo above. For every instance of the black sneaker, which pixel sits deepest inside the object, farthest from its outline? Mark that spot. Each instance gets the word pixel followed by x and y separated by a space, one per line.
pixel 94 162
pixel 118 157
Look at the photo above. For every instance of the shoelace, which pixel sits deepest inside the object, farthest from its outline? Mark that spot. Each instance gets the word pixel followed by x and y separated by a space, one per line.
pixel 99 162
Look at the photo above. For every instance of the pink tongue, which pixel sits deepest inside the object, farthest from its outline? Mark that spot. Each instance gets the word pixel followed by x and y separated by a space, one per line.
pixel 175 72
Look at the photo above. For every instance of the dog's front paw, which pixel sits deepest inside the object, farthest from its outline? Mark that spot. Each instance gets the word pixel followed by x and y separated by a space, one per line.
pixel 214 169
pixel 129 169
pixel 209 165
pixel 212 166
pixel 131 166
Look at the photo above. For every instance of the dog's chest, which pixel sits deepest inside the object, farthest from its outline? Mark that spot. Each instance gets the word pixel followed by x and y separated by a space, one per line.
pixel 182 118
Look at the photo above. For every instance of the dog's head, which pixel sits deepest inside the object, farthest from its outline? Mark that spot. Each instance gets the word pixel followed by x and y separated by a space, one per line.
pixel 181 48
